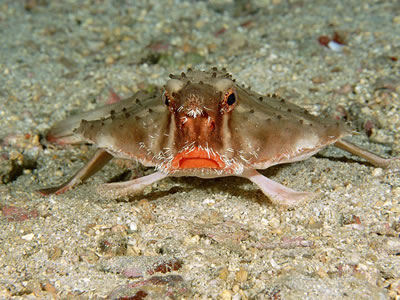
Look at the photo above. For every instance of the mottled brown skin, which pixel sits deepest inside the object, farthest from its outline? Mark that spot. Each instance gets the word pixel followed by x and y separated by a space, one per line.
pixel 203 124
pixel 258 131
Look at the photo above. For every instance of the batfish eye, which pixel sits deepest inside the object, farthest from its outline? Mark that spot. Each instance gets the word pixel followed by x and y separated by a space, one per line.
pixel 231 99
pixel 166 99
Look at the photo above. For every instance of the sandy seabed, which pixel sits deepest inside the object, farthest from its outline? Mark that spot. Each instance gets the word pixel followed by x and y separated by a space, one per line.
pixel 186 237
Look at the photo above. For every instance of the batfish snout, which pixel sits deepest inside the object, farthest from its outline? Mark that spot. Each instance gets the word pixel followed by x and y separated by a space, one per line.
pixel 197 129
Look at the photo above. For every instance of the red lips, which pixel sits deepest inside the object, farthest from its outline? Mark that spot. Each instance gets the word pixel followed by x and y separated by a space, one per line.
pixel 197 158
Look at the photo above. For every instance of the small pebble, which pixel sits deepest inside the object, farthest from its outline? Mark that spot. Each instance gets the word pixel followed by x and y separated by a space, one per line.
pixel 50 288
pixel 377 172
pixel 223 274
pixel 208 201
pixel 235 288
pixel 133 226
pixel 274 223
pixel 226 295
pixel 396 191
pixel 322 274
pixel 274 264
pixel 395 285
pixel 28 237
pixel 59 173
pixel 241 275
pixel 335 46
pixel 109 60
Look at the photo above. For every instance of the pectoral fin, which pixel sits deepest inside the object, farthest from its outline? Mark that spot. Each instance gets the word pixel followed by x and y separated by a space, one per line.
pixel 131 187
pixel 372 158
pixel 99 159
pixel 277 193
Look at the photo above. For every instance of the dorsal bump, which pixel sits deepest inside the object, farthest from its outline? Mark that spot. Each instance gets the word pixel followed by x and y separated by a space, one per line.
pixel 223 84
pixel 174 85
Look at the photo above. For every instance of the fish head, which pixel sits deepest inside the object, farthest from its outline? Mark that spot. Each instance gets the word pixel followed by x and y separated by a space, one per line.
pixel 204 124
pixel 198 109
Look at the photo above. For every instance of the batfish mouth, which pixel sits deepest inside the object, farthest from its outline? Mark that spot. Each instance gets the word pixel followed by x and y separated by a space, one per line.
pixel 197 158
